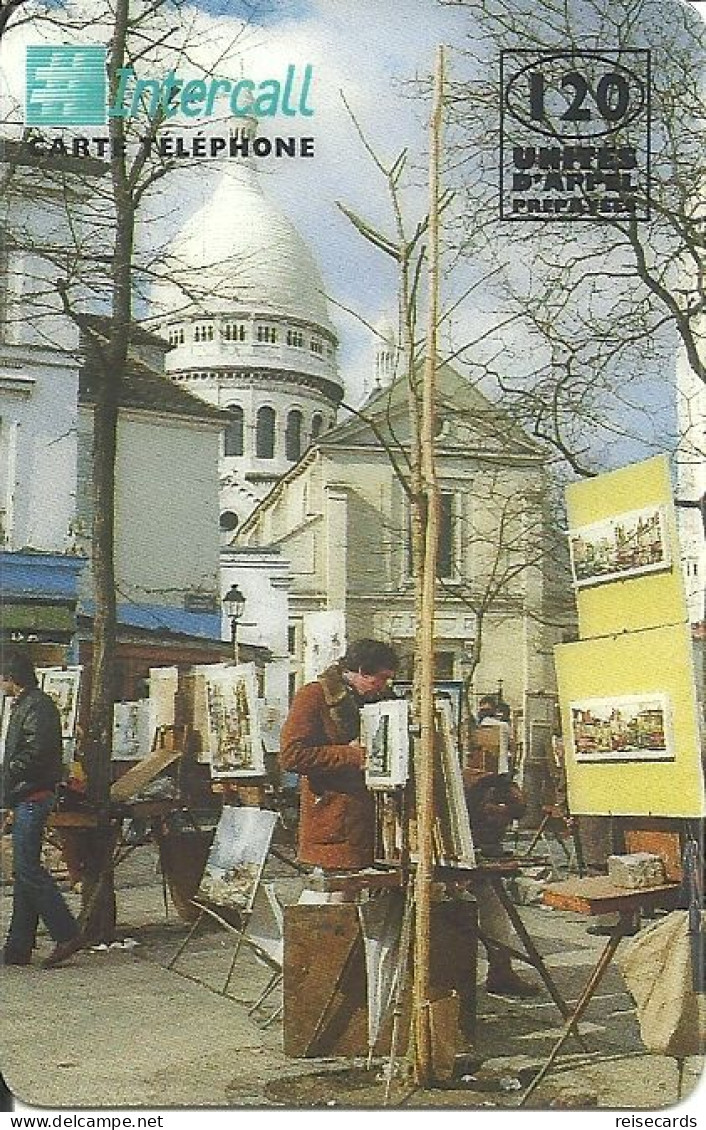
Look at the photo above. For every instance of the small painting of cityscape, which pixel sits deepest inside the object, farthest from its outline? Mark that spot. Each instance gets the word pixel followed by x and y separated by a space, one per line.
pixel 384 731
pixel 629 728
pixel 622 546
pixel 63 685
pixel 233 722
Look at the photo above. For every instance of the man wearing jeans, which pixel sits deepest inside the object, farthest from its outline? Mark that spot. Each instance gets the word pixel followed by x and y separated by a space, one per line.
pixel 31 769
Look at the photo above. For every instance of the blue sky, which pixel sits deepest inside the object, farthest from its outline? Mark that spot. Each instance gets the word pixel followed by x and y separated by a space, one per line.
pixel 366 48
pixel 265 12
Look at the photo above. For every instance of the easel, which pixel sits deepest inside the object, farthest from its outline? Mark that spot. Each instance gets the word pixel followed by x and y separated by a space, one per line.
pixel 597 895
pixel 554 822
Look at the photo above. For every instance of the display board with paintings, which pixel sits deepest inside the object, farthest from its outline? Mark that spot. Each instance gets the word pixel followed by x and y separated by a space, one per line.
pixel 625 550
pixel 234 741
pixel 630 724
pixel 627 688
pixel 384 731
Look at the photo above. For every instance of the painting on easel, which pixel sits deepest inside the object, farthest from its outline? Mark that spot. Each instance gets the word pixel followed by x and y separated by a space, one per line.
pixel 63 684
pixel 234 739
pixel 133 729
pixel 384 731
pixel 237 857
pixel 453 840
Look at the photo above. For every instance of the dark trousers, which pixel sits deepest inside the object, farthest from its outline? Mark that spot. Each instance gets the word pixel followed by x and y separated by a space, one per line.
pixel 35 893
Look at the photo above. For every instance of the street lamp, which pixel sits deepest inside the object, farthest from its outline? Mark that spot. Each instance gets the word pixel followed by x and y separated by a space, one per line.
pixel 234 603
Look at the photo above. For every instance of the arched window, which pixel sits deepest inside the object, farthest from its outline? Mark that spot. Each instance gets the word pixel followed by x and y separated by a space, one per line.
pixel 233 436
pixel 293 436
pixel 265 434
pixel 317 423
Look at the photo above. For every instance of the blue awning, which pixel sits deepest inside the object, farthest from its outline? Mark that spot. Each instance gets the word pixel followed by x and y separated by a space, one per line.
pixel 162 618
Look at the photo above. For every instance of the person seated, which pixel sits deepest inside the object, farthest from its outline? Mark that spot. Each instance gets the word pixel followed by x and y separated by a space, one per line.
pixel 494 801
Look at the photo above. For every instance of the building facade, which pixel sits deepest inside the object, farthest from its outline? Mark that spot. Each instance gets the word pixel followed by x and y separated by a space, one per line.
pixel 245 313
pixel 340 518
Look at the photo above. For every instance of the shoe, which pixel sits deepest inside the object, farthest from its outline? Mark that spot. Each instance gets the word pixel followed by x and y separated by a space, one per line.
pixel 62 952
pixel 510 985
pixel 12 957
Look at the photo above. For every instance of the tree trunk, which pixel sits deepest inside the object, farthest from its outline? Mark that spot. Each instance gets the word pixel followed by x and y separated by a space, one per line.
pixel 424 1067
pixel 98 901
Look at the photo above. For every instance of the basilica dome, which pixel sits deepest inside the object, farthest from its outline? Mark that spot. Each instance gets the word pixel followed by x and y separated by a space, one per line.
pixel 242 305
pixel 238 250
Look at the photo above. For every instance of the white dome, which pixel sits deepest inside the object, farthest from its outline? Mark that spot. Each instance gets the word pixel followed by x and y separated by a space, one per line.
pixel 239 252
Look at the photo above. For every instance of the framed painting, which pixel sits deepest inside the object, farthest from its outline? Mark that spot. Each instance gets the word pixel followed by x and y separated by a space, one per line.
pixel 63 685
pixel 384 731
pixel 133 729
pixel 623 728
pixel 620 546
pixel 234 740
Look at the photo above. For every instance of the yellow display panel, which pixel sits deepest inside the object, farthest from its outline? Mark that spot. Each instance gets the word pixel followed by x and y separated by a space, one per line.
pixel 629 719
pixel 636 592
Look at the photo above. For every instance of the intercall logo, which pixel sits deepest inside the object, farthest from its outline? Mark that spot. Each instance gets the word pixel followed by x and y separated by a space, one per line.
pixel 65 86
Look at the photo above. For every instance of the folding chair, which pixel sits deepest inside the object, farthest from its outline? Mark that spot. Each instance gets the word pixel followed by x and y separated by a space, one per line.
pixel 270 950
pixel 231 879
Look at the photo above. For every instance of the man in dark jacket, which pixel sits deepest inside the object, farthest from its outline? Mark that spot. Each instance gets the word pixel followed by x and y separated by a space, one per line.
pixel 320 742
pixel 31 769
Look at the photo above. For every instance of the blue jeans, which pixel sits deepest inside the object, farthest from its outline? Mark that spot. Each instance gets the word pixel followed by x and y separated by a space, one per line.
pixel 35 894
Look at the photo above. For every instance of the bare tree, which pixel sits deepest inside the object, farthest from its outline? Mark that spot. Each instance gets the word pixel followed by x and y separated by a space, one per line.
pixel 585 308
pixel 99 267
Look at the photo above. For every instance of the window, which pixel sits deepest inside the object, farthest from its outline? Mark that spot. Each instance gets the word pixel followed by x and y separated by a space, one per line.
pixel 445 557
pixel 176 336
pixel 443 665
pixel 295 338
pixel 291 685
pixel 265 434
pixel 267 334
pixel 317 423
pixel 316 345
pixel 229 521
pixel 234 331
pixel 203 332
pixel 233 435
pixel 445 552
pixel 4 269
pixel 293 436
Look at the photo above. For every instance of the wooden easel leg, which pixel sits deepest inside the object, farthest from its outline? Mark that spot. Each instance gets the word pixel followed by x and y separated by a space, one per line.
pixel 533 953
pixel 581 1006
pixel 537 836
pixel 400 986
pixel 269 988
pixel 578 849
pixel 681 1063
pixel 173 960
pixel 238 945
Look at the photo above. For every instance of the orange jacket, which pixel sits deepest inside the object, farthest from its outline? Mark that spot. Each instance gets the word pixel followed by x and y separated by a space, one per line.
pixel 336 814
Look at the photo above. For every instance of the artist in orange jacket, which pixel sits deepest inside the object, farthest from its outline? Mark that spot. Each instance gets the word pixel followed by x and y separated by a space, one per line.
pixel 320 742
